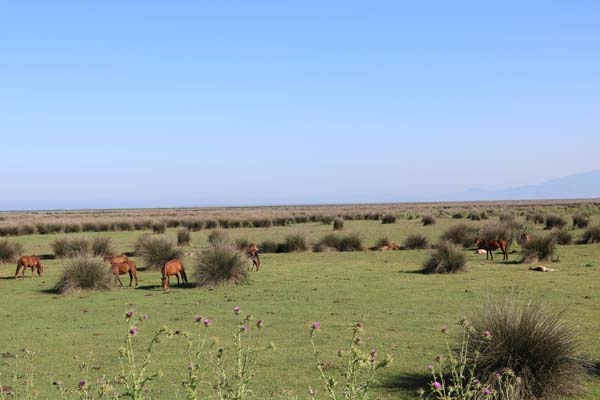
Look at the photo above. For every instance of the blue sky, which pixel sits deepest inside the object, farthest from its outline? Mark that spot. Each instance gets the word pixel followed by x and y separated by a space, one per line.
pixel 146 104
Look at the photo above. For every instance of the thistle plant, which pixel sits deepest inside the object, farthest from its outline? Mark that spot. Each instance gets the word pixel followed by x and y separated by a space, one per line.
pixel 358 368
pixel 196 368
pixel 22 381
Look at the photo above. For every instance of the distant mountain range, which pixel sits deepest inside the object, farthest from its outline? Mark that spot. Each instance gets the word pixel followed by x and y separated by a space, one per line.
pixel 584 185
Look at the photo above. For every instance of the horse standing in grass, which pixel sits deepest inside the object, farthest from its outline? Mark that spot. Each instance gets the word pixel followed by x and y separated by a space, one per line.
pixel 122 268
pixel 116 259
pixel 252 253
pixel 173 267
pixel 32 262
pixel 490 245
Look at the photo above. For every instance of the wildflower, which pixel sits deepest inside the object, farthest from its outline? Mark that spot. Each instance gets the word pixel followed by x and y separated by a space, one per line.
pixel 133 331
pixel 207 322
pixel 487 392
pixel 358 326
pixel 357 341
pixel 430 367
pixel 236 310
pixel 244 328
pixel 444 329
pixel 198 319
pixel 260 323
pixel 82 385
pixel 316 326
pixel 436 385
pixel 439 357
pixel 145 317
pixel 487 334
pixel 476 381
pixel 129 314
pixel 248 317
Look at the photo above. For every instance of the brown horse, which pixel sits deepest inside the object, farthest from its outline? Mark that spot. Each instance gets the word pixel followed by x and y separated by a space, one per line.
pixel 252 252
pixel 173 267
pixel 122 268
pixel 32 262
pixel 116 259
pixel 490 245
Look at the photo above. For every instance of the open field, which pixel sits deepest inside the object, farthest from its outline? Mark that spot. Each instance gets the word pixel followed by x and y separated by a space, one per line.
pixel 402 310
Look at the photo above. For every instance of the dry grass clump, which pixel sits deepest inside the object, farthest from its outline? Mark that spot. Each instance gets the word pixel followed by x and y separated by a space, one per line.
pixel 388 219
pixel 448 258
pixel 222 263
pixel 555 221
pixel 338 224
pixel 591 235
pixel 9 251
pixel 159 227
pixel 183 237
pixel 428 220
pixel 460 234
pixel 156 250
pixel 84 273
pixel 539 248
pixel 581 220
pixel 416 241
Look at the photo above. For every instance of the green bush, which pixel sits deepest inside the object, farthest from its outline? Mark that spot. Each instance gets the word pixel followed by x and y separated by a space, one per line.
pixel 562 236
pixel 102 246
pixel 539 248
pixel 221 263
pixel 72 228
pixel 581 220
pixel 555 221
pixel 26 229
pixel 84 274
pixel 592 235
pixel 210 224
pixel 64 247
pixel 500 231
pixel 416 241
pixel 330 241
pixel 218 235
pixel 159 227
pixel 9 251
pixel 183 237
pixel 123 226
pixel 534 342
pixel 295 242
pixel 269 246
pixel 388 219
pixel 156 250
pixel 351 242
pixel 457 215
pixel 338 224
pixel 460 234
pixel 448 258
pixel 428 220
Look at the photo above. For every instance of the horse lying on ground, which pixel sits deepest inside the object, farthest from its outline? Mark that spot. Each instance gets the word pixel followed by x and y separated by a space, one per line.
pixel 490 245
pixel 32 262
pixel 541 268
pixel 173 267
pixel 122 268
pixel 252 253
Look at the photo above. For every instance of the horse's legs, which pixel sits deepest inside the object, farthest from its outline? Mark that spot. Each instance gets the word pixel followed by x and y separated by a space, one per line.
pixel 32 268
pixel 135 276
pixel 17 272
pixel 177 276
pixel 130 278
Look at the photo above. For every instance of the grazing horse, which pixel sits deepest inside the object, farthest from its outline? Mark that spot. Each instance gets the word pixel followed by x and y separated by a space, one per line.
pixel 252 253
pixel 122 268
pixel 173 267
pixel 32 262
pixel 116 259
pixel 490 245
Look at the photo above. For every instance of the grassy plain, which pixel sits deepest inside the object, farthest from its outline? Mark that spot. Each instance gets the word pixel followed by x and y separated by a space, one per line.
pixel 402 310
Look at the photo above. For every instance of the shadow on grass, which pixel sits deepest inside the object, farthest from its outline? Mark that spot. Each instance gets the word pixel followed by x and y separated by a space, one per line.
pixel 46 257
pixel 407 383
pixel 595 369
pixel 159 286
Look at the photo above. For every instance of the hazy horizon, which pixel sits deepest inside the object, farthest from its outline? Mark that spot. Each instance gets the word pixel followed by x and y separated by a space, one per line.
pixel 115 106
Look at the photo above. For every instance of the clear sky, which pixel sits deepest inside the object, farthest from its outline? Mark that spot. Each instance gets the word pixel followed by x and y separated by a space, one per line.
pixel 182 103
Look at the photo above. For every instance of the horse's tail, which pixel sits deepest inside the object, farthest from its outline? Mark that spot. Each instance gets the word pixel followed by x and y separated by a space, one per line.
pixel 183 275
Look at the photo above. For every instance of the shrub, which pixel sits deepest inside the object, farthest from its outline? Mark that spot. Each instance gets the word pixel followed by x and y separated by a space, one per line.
pixel 183 237
pixel 193 225
pixel 70 247
pixel 269 246
pixel 156 250
pixel 210 224
pixel 384 241
pixel 218 235
pixel 221 263
pixel 72 228
pixel 506 217
pixel 104 227
pixel 84 274
pixel 338 224
pixel 295 242
pixel 242 243
pixel 460 234
pixel 428 220
pixel 262 223
pixel 473 216
pixel 539 248
pixel 581 220
pixel 223 223
pixel 159 227
pixel 326 219
pixel 9 230
pixel 500 230
pixel 555 221
pixel 351 242
pixel 26 229
pixel 173 223
pixel 534 342
pixel 448 258
pixel 416 241
pixel 301 219
pixel 591 235
pixel 42 229
pixel 327 242
pixel 9 251
pixel 234 223
pixel 142 225
pixel 102 246
pixel 388 219
pixel 483 215
pixel 457 215
pixel 89 227
pixel 562 236
pixel 123 226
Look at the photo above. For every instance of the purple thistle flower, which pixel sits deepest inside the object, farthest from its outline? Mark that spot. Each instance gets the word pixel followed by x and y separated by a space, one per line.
pixel 444 329
pixel 145 317
pixel 476 381
pixel 207 322
pixel 129 314
pixel 487 392
pixel 236 310
pixel 430 367
pixel 198 319
pixel 244 328
pixel 358 325
pixel 260 323
pixel 133 331
pixel 316 326
pixel 487 334
pixel 357 340
pixel 82 384
pixel 436 385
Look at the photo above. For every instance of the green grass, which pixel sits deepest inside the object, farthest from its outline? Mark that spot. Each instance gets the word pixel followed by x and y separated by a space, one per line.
pixel 402 310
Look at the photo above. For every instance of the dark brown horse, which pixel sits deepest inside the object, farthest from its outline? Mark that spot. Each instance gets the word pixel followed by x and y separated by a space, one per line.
pixel 32 262
pixel 122 268
pixel 252 252
pixel 490 245
pixel 173 267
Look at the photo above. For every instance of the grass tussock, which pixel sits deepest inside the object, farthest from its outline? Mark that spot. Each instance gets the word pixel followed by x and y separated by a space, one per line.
pixel 218 235
pixel 591 235
pixel 338 224
pixel 416 241
pixel 502 230
pixel 448 258
pixel 460 234
pixel 581 220
pixel 155 251
pixel 183 237
pixel 388 219
pixel 562 236
pixel 539 248
pixel 555 221
pixel 84 274
pixel 295 242
pixel 428 220
pixel 66 247
pixel 101 246
pixel 351 242
pixel 159 227
pixel 532 340
pixel 222 263
pixel 9 251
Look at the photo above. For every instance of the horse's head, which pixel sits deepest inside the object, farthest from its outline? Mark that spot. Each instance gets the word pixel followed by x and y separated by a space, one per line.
pixel 479 242
pixel 165 283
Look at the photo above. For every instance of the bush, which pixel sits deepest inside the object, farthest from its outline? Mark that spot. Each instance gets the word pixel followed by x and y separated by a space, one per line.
pixel 221 263
pixel 210 224
pixel 537 218
pixel 457 215
pixel 499 231
pixel 123 226
pixel 388 219
pixel 72 228
pixel 351 242
pixel 539 248
pixel 327 242
pixel 473 216
pixel 89 227
pixel 295 242
pixel 581 220
pixel 102 246
pixel 42 229
pixel 506 217
pixel 591 235
pixel 193 225
pixel 262 223
pixel 183 237
pixel 84 274
pixel 326 219
pixel 460 234
pixel 301 219
pixel 9 251
pixel 428 220
pixel 159 227
pixel 534 342
pixel 448 258
pixel 156 250
pixel 242 243
pixel 338 224
pixel 384 241
pixel 416 241
pixel 63 247
pixel 562 236
pixel 555 221
pixel 26 229
pixel 269 246
pixel 173 223
pixel 218 235
pixel 9 230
